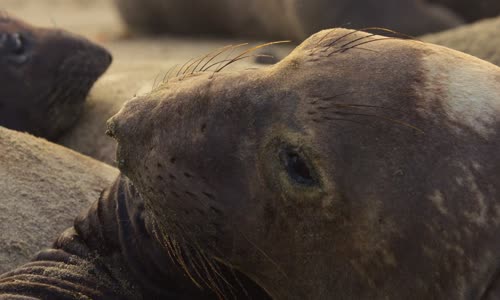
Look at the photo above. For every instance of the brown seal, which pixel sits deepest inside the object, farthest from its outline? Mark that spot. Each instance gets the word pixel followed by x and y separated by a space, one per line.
pixel 294 20
pixel 472 10
pixel 481 39
pixel 359 167
pixel 43 187
pixel 46 76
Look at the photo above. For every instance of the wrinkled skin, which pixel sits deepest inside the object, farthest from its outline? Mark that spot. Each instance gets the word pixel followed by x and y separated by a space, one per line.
pixel 346 171
pixel 46 76
pixel 278 19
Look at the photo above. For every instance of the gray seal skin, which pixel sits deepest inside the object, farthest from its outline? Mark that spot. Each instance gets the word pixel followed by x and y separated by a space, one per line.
pixel 359 167
pixel 46 76
pixel 290 19
pixel 481 39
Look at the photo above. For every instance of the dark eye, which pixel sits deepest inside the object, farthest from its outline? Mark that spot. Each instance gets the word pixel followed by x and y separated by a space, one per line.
pixel 17 45
pixel 297 168
pixel 13 48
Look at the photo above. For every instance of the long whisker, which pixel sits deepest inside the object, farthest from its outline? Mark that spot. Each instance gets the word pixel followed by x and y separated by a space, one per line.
pixel 241 58
pixel 380 117
pixel 211 269
pixel 182 67
pixel 207 55
pixel 326 118
pixel 399 34
pixel 202 69
pixel 263 254
pixel 154 82
pixel 198 60
pixel 248 51
pixel 363 43
pixel 167 74
pixel 365 106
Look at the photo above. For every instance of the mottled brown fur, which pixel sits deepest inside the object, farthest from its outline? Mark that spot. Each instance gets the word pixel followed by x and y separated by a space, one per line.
pixel 359 167
pixel 382 132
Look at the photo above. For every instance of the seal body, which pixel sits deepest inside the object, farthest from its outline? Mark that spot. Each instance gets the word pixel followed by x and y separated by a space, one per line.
pixel 472 10
pixel 291 19
pixel 354 168
pixel 46 76
pixel 112 253
pixel 359 167
pixel 480 39
pixel 43 187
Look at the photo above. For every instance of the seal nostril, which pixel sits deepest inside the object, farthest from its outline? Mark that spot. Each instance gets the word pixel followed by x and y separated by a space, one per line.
pixel 110 133
pixel 172 160
pixel 203 127
pixel 111 130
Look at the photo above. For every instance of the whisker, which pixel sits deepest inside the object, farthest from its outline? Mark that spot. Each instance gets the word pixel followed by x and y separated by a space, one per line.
pixel 380 117
pixel 340 38
pixel 154 82
pixel 324 37
pixel 202 69
pixel 326 118
pixel 241 58
pixel 366 29
pixel 211 269
pixel 365 106
pixel 358 39
pixel 180 70
pixel 167 74
pixel 198 60
pixel 263 254
pixel 248 51
pixel 207 55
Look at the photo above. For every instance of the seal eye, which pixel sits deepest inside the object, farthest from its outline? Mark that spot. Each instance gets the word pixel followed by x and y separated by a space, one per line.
pixel 17 44
pixel 297 168
pixel 13 46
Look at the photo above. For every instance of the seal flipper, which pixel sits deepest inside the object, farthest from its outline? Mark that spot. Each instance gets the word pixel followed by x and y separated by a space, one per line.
pixel 106 255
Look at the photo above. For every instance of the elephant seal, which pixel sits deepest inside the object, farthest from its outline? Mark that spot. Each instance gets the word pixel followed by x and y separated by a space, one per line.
pixel 359 167
pixel 42 187
pixel 46 76
pixel 480 39
pixel 296 19
pixel 472 10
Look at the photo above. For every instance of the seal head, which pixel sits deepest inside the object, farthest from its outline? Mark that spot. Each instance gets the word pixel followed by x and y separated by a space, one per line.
pixel 359 167
pixel 46 76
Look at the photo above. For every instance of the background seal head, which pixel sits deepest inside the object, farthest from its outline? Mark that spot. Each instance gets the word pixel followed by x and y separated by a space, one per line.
pixel 46 76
